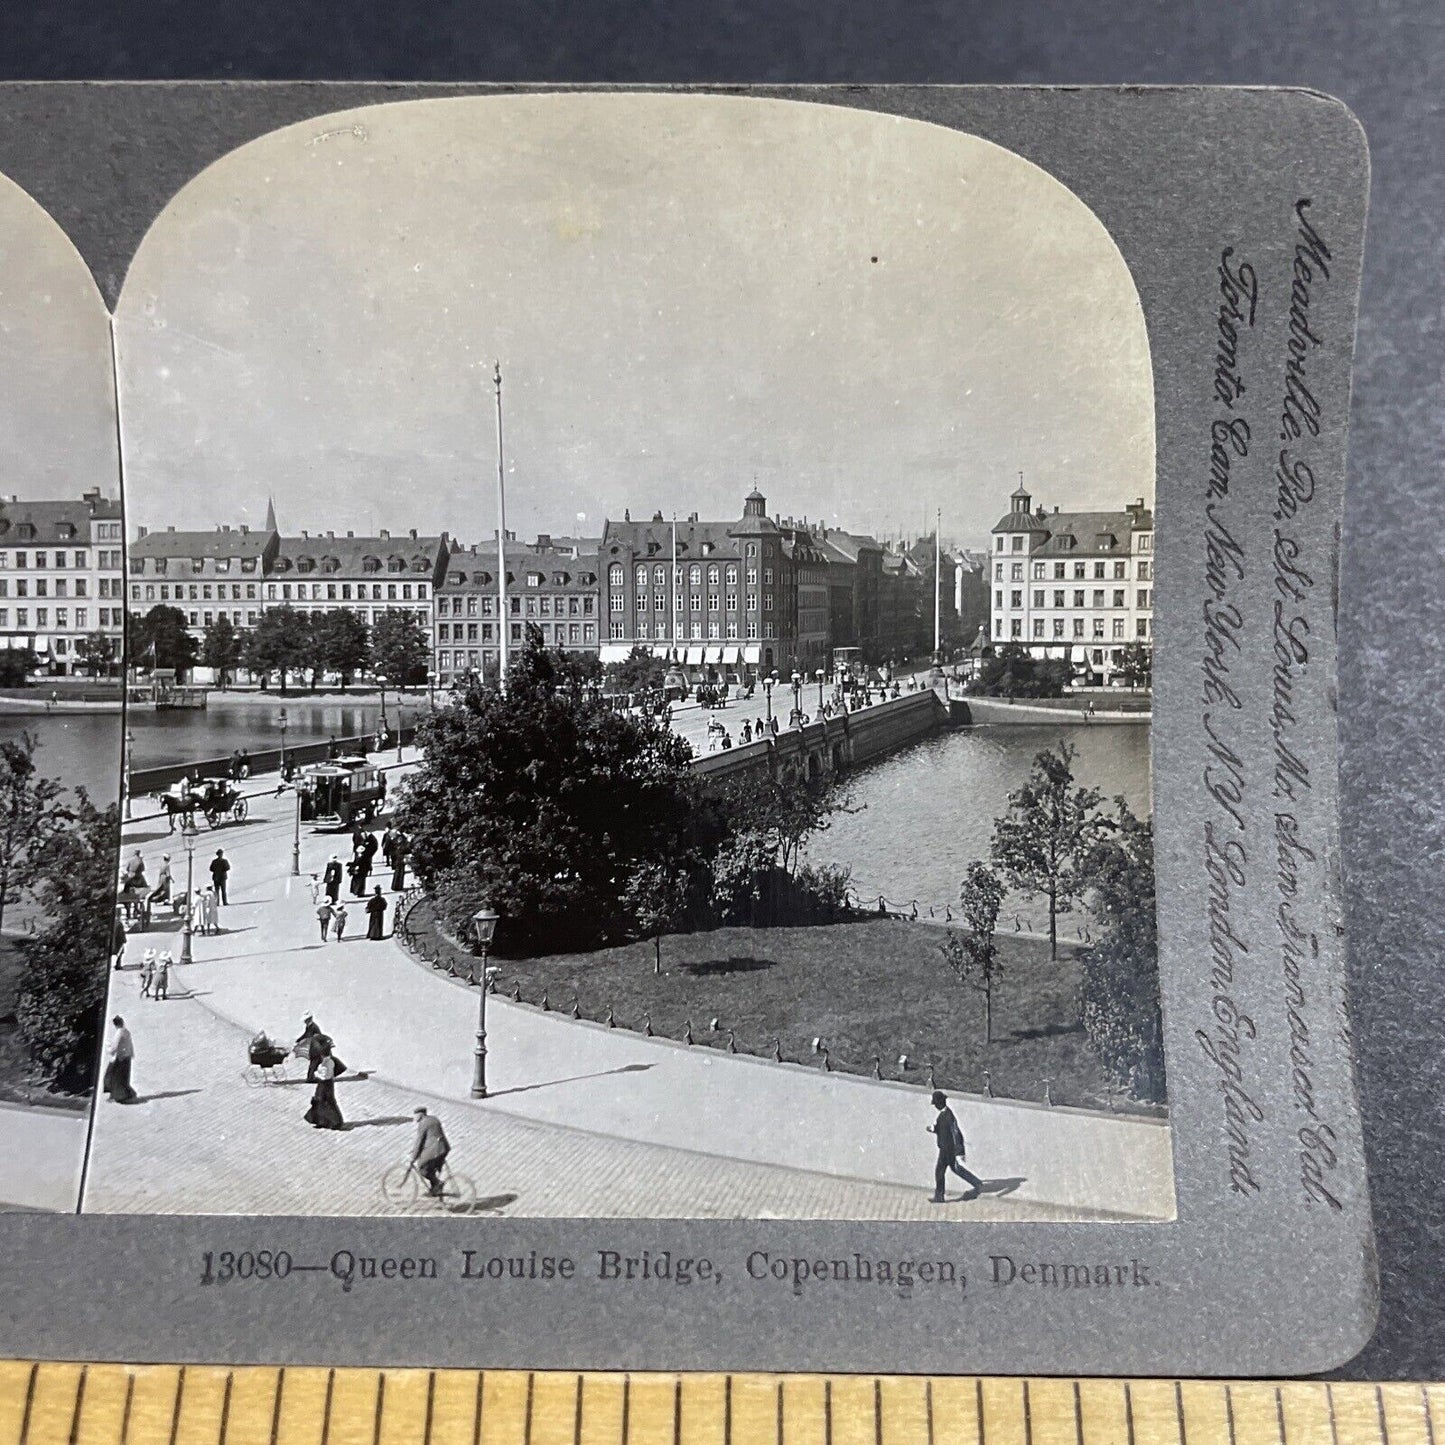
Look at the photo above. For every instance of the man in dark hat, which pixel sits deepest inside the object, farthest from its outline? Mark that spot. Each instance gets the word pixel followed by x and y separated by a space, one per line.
pixel 945 1128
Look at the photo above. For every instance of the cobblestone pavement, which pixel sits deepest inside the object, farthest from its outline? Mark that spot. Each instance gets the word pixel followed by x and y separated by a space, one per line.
pixel 583 1120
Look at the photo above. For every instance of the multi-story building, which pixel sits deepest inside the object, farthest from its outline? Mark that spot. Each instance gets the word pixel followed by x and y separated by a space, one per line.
pixel 855 578
pixel 551 584
pixel 205 575
pixel 1075 585
pixel 710 596
pixel 808 602
pixel 62 578
pixel 369 575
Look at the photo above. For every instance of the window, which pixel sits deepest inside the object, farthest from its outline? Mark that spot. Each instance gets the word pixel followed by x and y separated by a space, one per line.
pixel 694 575
pixel 150 594
pixel 732 601
pixel 732 630
pixel 1118 628
pixel 22 617
pixel 62 617
pixel 210 618
pixel 1098 571
pixel 516 632
pixel 42 587
pixel 20 561
pixel 712 601
pixel 1058 627
pixel 1058 597
pixel 1016 599
pixel 1098 597
pixel 768 602
pixel 22 588
pixel 1038 596
pixel 767 576
pixel 1078 571
pixel 42 617
pixel 998 572
pixel 1141 627
pixel 531 607
pixel 589 632
pixel 206 592
pixel 751 549
pixel 1058 571
pixel 1018 543
pixel 544 606
pixel 697 601
pixel 1098 627
pixel 42 559
pixel 752 630
pixel 752 602
pixel 1146 543
pixel 1120 570
pixel 1118 597
pixel 659 576
pixel 697 631
pixel 998 544
pixel 712 575
pixel 732 574
pixel 1038 626
pixel 1016 628
pixel 1016 573
pixel 1143 571
pixel 1039 571
pixel 1145 599
pixel 752 576
pixel 998 626
pixel 998 599
pixel 659 601
pixel 1078 597
pixel 616 602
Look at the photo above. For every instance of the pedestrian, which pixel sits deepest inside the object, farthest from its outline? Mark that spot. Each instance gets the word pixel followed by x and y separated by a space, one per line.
pixel 338 920
pixel 220 869
pixel 358 840
pixel 324 1113
pixel 331 878
pixel 162 986
pixel 369 845
pixel 747 732
pixel 161 893
pixel 388 843
pixel 431 1149
pixel 400 848
pixel 198 913
pixel 323 917
pixel 375 913
pixel 945 1129
pixel 117 939
pixel 235 768
pixel 147 972
pixel 360 870
pixel 211 910
pixel 308 1045
pixel 313 882
pixel 134 874
pixel 244 768
pixel 117 1072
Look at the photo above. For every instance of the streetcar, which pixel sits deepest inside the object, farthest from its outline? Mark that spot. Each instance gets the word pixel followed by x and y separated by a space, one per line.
pixel 341 793
pixel 848 664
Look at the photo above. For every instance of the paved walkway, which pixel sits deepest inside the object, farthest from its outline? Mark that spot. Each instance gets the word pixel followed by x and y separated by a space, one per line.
pixel 582 1119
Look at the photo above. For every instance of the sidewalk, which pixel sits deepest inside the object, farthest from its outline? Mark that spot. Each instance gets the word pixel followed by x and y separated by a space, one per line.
pixel 705 1122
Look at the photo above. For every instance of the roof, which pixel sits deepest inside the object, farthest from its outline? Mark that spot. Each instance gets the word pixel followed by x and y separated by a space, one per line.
pixel 1089 532
pixel 61 521
pixel 695 540
pixel 839 546
pixel 352 556
pixel 222 542
pixel 473 571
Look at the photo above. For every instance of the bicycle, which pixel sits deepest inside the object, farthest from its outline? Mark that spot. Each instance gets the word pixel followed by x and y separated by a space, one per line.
pixel 403 1188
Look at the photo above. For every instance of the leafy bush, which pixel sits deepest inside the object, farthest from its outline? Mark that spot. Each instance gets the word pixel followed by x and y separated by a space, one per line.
pixel 820 891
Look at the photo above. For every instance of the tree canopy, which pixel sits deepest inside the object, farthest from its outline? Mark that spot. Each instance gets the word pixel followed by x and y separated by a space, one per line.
pixel 159 638
pixel 1014 672
pixel 639 671
pixel 400 648
pixel 96 653
pixel 546 802
pixel 278 643
pixel 31 815
pixel 221 648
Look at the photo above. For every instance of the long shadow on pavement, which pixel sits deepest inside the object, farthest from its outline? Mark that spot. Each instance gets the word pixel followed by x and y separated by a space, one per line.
pixel 376 1123
pixel 164 1094
pixel 1002 1186
pixel 575 1079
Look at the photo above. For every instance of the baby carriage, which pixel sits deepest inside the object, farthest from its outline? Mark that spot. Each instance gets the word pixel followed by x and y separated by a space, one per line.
pixel 268 1062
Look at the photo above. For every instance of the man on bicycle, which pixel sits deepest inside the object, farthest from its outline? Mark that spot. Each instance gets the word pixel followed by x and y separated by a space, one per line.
pixel 431 1149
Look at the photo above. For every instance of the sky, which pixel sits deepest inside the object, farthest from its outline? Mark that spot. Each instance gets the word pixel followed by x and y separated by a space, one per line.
pixel 57 420
pixel 867 318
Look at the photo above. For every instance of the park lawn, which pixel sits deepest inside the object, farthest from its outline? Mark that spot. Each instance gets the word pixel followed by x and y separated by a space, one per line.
pixel 15 1071
pixel 873 988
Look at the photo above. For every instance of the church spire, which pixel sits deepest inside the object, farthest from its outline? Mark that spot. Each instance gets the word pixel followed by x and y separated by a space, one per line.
pixel 270 515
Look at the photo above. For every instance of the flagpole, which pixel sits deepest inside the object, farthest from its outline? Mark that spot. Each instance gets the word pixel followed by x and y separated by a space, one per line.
pixel 501 538
pixel 676 626
pixel 937 585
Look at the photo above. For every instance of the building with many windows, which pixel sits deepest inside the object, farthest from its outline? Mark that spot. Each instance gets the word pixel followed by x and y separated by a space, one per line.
pixel 706 595
pixel 1075 585
pixel 205 575
pixel 552 584
pixel 62 578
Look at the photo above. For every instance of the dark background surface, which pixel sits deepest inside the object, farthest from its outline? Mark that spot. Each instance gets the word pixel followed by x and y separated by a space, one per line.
pixel 1384 60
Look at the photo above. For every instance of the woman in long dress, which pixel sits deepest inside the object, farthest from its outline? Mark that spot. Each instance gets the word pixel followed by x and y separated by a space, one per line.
pixel 324 1113
pixel 375 914
pixel 117 1072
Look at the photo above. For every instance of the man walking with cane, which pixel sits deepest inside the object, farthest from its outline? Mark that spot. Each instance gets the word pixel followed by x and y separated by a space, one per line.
pixel 950 1150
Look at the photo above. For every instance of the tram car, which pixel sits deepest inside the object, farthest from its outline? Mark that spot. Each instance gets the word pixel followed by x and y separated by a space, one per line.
pixel 341 793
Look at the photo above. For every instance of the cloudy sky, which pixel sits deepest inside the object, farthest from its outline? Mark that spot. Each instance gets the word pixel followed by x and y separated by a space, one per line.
pixel 57 424
pixel 867 317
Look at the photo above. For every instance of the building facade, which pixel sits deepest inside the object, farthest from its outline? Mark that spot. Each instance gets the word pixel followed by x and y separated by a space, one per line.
pixel 62 579
pixel 205 575
pixel 1074 585
pixel 369 575
pixel 705 595
pixel 552 584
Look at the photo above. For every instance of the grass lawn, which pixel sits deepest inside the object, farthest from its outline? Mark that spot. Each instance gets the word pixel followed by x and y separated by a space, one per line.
pixel 868 988
pixel 14 1056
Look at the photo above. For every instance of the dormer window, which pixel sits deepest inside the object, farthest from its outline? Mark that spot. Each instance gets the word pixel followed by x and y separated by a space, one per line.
pixel 306 564
pixel 198 565
pixel 25 531
pixel 559 579
pixel 534 579
pixel 484 578
pixel 371 564
pixel 420 564
pixel 456 578
pixel 395 563
pixel 283 564
pixel 161 564
pixel 248 564
pixel 331 564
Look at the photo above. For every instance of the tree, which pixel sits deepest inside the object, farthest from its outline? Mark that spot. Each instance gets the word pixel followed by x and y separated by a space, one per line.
pixel 1120 986
pixel 1136 665
pixel 278 643
pixel 221 648
pixel 973 954
pixel 639 671
pixel 784 812
pixel 340 643
pixel 657 896
pixel 400 648
pixel 545 801
pixel 16 665
pixel 160 639
pixel 62 983
pixel 95 653
pixel 30 815
pixel 1043 844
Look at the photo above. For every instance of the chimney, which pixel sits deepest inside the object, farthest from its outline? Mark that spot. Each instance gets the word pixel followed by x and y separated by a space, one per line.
pixel 413 534
pixel 331 536
pixel 350 535
pixel 245 529
pixel 140 532
pixel 171 528
pixel 384 535
pixel 544 541
pixel 1056 510
pixel 305 533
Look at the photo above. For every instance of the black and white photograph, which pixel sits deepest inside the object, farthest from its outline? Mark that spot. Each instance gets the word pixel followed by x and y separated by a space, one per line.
pixel 639 619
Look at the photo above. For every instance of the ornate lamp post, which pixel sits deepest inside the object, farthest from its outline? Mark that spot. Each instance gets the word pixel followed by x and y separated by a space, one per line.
pixel 381 723
pixel 283 742
pixel 296 836
pixel 820 691
pixel 400 727
pixel 188 837
pixel 484 925
pixel 129 749
pixel 431 690
pixel 796 716
pixel 768 689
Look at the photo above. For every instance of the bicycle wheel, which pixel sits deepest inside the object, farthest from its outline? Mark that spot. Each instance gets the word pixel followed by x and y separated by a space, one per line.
pixel 459 1193
pixel 400 1186
pixel 254 1075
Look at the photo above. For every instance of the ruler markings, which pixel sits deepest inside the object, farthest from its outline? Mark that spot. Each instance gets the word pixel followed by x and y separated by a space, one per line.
pixel 577 1414
pixel 1334 1423
pixel 1078 1417
pixel 1129 1410
pixel 431 1402
pixel 79 1405
pixel 225 1428
pixel 1427 1414
pixel 380 1408
pixel 928 1408
pixel 125 1413
pixel 1380 1412
pixel 1028 1415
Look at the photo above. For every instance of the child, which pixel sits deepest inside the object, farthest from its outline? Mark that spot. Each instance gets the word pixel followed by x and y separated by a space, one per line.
pixel 338 920
pixel 323 917
pixel 315 886
pixel 163 976
pixel 147 972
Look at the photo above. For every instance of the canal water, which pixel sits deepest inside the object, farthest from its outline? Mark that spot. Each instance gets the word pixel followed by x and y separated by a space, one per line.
pixel 924 814
pixel 163 738
pixel 81 749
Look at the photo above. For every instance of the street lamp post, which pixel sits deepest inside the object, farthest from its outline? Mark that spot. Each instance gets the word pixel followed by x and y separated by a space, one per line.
pixel 296 837
pixel 768 690
pixel 283 743
pixel 381 722
pixel 188 836
pixel 797 714
pixel 431 690
pixel 129 749
pixel 820 692
pixel 484 925
pixel 400 727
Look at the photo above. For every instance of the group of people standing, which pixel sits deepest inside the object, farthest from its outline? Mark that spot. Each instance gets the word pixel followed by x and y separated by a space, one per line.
pixel 331 913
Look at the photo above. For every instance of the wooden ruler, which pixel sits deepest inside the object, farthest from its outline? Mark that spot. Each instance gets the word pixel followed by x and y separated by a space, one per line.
pixel 61 1404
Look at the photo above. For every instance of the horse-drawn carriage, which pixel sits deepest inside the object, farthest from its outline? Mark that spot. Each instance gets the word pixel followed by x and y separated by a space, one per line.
pixel 216 799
